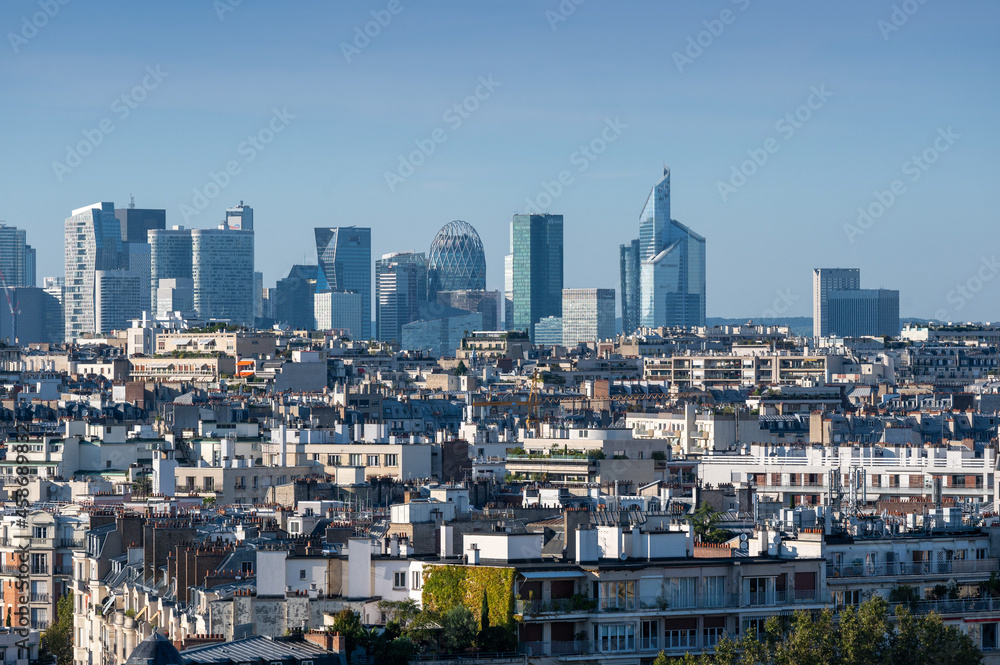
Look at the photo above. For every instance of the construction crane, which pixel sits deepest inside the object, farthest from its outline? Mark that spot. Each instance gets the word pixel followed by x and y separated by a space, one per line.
pixel 10 305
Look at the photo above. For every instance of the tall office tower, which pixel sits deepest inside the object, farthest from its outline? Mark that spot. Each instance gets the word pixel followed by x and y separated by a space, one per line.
pixel 588 315
pixel 338 310
pixel 136 223
pixel 672 265
pixel 55 325
pixel 118 296
pixel 222 267
pixel 400 287
pixel 486 303
pixel 175 295
pixel 508 290
pixel 169 258
pixel 17 258
pixel 456 261
pixel 630 268
pixel 137 257
pixel 93 243
pixel 294 296
pixel 537 267
pixel 239 218
pixel 863 312
pixel 826 280
pixel 258 295
pixel 37 317
pixel 345 256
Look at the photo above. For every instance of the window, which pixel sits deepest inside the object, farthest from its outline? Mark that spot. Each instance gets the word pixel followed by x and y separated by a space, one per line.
pixel 680 638
pixel 611 637
pixel 372 460
pixel 392 460
pixel 681 591
pixel 399 580
pixel 847 597
pixel 356 459
pixel 416 580
pixel 40 532
pixel 649 632
pixel 302 573
pixel 618 595
pixel 333 460
pixel 715 591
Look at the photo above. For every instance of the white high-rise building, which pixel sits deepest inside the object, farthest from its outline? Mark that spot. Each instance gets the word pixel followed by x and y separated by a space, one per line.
pixel 588 315
pixel 175 295
pixel 508 291
pixel 93 242
pixel 339 310
pixel 222 266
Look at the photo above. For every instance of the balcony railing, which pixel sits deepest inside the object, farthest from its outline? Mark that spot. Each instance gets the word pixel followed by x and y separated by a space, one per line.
pixel 71 542
pixel 667 603
pixel 904 568
pixel 556 648
pixel 39 597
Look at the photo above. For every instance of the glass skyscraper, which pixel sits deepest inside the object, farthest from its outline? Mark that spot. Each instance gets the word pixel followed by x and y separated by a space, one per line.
pixel 671 267
pixel 630 267
pixel 536 269
pixel 345 257
pixel 456 261
pixel 93 242
pixel 400 287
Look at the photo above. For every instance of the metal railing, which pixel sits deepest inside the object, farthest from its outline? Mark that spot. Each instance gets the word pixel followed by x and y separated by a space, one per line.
pixel 903 568
pixel 661 603
pixel 556 648
pixel 39 597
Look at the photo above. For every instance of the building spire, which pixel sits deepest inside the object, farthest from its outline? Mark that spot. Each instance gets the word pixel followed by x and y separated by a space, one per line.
pixel 666 169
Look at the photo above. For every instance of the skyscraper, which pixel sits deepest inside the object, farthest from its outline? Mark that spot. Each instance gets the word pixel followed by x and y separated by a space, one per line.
pixel 345 257
pixel 400 287
pixel 222 266
pixel 671 265
pixel 338 310
pixel 863 312
pixel 456 261
pixel 93 242
pixel 136 223
pixel 169 257
pixel 826 280
pixel 118 298
pixel 537 269
pixel 239 218
pixel 17 258
pixel 294 296
pixel 588 315
pixel 630 267
pixel 508 288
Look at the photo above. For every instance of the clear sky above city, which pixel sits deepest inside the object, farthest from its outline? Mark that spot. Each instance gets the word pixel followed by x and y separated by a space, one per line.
pixel 478 110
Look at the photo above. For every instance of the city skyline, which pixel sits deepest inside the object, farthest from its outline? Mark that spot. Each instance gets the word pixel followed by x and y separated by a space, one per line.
pixel 868 106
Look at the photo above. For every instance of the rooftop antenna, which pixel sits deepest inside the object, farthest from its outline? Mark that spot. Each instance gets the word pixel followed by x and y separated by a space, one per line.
pixel 131 203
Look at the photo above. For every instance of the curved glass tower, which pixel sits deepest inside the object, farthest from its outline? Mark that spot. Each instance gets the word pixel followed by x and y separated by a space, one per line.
pixel 456 261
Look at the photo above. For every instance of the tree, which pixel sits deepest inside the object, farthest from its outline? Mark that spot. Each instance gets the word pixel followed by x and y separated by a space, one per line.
pixel 461 369
pixel 459 628
pixel 348 623
pixel 58 638
pixel 704 521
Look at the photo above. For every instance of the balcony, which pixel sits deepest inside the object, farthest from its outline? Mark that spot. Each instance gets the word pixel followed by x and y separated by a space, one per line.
pixel 556 648
pixel 660 604
pixel 905 568
pixel 39 570
pixel 39 597
pixel 73 543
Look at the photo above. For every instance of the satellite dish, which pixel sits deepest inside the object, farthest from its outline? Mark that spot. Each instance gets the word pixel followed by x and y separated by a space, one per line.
pixel 743 538
pixel 623 556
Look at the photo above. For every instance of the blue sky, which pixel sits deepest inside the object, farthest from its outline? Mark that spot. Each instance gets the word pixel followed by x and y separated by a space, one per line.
pixel 197 86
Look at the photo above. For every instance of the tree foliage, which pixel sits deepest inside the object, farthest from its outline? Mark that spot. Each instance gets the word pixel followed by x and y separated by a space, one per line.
pixel 459 629
pixel 58 638
pixel 704 520
pixel 866 635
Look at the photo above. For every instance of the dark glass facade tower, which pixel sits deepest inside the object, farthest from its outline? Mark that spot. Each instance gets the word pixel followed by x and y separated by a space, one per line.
pixel 537 269
pixel 630 266
pixel 345 257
